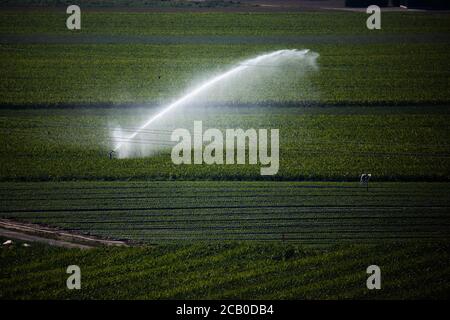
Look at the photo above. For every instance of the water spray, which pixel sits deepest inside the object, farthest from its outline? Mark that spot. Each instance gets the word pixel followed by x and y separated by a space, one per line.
pixel 239 68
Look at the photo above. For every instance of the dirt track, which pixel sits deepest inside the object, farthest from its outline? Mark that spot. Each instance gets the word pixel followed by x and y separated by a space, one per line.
pixel 54 237
pixel 28 237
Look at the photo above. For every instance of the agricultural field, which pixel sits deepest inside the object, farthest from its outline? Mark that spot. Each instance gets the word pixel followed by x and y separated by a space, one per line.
pixel 81 74
pixel 45 22
pixel 99 65
pixel 218 271
pixel 393 143
pixel 365 102
pixel 302 212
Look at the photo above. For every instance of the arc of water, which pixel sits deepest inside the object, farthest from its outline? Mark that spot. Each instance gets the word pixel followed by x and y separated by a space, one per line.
pixel 244 65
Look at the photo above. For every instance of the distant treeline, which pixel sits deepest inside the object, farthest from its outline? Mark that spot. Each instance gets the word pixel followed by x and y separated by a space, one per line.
pixel 426 4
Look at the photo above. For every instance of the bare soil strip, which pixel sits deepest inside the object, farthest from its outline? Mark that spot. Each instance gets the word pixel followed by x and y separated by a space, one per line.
pixel 27 237
pixel 51 236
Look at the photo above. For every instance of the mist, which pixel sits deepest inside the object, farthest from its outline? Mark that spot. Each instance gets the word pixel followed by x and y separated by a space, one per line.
pixel 278 76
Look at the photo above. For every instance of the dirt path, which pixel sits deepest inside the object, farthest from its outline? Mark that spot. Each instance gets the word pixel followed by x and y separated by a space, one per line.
pixel 33 232
pixel 28 237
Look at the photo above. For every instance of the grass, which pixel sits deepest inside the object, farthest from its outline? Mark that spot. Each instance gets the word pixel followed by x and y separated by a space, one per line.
pixel 218 271
pixel 183 212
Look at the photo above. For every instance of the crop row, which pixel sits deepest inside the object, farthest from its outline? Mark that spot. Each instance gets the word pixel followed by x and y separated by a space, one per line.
pixel 392 143
pixel 124 73
pixel 389 211
pixel 220 24
pixel 227 271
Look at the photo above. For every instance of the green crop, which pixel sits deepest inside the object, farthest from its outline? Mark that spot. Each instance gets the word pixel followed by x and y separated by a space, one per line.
pixel 175 211
pixel 222 24
pixel 356 65
pixel 392 143
pixel 136 73
pixel 226 271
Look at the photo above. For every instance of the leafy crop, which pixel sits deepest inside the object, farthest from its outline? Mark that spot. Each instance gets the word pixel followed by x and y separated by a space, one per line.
pixel 338 143
pixel 222 24
pixel 219 271
pixel 150 58
pixel 171 211
pixel 137 73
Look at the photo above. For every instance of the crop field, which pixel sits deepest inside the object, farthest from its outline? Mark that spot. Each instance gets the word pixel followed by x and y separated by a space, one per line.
pixel 216 23
pixel 219 271
pixel 81 74
pixel 159 212
pixel 149 58
pixel 373 102
pixel 393 143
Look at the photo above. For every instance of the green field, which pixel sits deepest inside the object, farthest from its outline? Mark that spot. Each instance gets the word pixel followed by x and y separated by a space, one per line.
pixel 216 23
pixel 392 143
pixel 179 212
pixel 378 102
pixel 80 74
pixel 150 58
pixel 227 271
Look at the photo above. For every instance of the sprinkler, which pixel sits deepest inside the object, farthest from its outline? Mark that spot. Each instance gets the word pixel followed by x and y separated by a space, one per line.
pixel 205 86
pixel 364 180
pixel 111 154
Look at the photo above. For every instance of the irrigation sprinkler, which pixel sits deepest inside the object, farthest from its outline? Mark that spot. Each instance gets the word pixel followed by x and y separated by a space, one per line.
pixel 217 79
pixel 364 180
pixel 111 154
